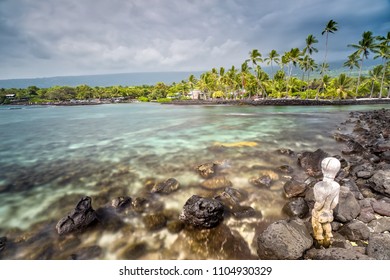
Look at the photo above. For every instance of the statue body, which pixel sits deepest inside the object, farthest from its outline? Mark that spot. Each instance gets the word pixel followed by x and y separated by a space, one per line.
pixel 326 194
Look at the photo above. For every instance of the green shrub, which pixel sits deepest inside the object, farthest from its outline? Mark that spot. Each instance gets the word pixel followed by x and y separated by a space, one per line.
pixel 143 99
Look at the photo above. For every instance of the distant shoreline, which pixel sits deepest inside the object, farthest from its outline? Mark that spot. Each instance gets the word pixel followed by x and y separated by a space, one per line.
pixel 284 102
pixel 260 102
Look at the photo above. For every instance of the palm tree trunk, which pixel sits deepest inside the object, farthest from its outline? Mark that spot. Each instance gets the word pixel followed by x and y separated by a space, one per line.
pixel 358 82
pixel 372 89
pixel 383 78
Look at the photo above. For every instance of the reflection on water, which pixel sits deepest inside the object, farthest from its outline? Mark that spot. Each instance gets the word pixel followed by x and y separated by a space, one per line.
pixel 52 156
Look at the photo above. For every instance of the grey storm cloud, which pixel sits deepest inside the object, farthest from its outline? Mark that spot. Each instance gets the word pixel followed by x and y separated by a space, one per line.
pixel 71 37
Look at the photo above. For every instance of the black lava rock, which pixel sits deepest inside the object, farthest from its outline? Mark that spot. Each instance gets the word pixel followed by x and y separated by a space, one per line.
pixel 82 216
pixel 202 212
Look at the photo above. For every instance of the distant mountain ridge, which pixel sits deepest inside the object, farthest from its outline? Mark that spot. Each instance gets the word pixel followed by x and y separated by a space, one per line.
pixel 103 80
pixel 145 78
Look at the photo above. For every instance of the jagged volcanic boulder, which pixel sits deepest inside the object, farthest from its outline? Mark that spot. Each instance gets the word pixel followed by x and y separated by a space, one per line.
pixel 79 218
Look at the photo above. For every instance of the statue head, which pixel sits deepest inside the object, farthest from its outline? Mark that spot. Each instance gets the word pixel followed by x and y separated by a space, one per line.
pixel 330 166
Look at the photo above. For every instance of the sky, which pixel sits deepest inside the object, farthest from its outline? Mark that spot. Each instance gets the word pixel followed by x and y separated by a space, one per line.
pixel 44 38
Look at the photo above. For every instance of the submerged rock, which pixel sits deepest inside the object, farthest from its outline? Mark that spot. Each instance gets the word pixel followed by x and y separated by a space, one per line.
pixel 87 253
pixel 219 243
pixel 121 203
pixel 207 170
pixel 154 221
pixel 262 181
pixel 166 187
pixel 202 212
pixel 81 217
pixel 284 240
pixel 218 182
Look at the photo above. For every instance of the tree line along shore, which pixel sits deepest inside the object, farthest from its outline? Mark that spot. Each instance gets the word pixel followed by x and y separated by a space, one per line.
pixel 248 82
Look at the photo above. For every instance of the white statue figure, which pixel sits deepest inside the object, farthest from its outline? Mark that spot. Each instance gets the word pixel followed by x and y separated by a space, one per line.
pixel 326 194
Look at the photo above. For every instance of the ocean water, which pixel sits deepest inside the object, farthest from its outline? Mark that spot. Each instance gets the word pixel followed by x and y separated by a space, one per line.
pixel 52 156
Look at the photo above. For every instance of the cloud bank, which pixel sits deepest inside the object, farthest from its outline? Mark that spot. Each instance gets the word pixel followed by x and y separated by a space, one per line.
pixel 55 37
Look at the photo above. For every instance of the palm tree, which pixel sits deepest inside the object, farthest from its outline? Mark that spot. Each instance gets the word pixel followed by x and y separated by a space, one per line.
pixel 273 56
pixel 310 40
pixel 244 72
pixel 255 57
pixel 342 86
pixel 292 58
pixel 307 64
pixel 192 81
pixel 352 62
pixel 331 27
pixel 261 78
pixel 231 79
pixel 375 75
pixel 363 48
pixel 382 51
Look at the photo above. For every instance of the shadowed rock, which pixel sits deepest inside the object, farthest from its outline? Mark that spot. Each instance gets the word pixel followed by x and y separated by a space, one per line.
pixel 348 207
pixel 202 212
pixel 355 231
pixel 296 207
pixel 82 216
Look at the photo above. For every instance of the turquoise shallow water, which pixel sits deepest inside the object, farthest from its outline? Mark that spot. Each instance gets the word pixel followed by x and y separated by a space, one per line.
pixel 51 156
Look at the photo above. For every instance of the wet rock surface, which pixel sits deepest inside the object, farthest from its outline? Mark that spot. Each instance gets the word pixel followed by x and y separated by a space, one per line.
pixel 202 212
pixel 81 217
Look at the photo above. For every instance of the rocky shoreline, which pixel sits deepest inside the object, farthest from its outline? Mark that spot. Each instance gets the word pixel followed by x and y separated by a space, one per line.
pixel 284 102
pixel 362 218
pixel 204 230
